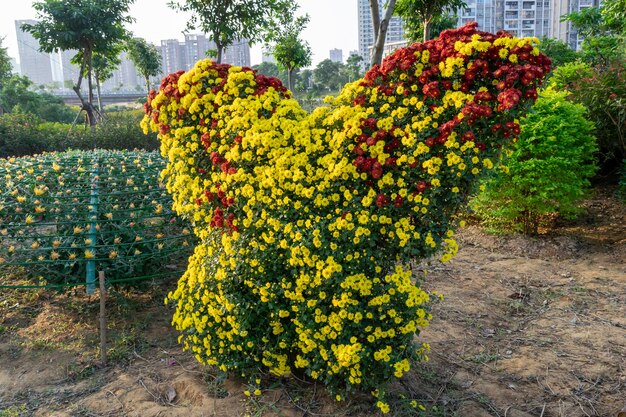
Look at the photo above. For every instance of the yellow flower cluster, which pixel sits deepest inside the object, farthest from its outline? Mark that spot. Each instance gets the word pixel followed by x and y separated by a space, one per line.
pixel 306 221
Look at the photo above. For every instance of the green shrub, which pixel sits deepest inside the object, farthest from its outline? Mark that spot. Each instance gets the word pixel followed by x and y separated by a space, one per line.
pixel 25 134
pixel 566 75
pixel 122 130
pixel 19 135
pixel 602 90
pixel 547 170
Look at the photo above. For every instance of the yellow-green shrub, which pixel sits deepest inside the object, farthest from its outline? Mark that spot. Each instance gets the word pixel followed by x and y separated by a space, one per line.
pixel 308 223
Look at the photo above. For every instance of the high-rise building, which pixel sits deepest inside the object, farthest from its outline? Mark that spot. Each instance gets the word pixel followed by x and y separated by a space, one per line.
pixel 172 56
pixel 33 63
pixel 395 31
pixel 196 47
pixel 533 18
pixel 526 18
pixel 481 11
pixel 336 55
pixel 237 54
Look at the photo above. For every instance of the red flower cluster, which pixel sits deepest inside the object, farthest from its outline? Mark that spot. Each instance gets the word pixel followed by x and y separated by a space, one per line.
pixel 499 80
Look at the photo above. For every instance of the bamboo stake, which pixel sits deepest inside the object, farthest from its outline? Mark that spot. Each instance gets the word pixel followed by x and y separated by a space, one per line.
pixel 103 326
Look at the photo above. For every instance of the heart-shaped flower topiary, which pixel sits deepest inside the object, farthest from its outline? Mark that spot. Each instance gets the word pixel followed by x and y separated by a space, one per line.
pixel 309 222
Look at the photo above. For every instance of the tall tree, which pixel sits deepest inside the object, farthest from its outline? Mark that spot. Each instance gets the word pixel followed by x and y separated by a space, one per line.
pixel 380 22
pixel 88 26
pixel 614 14
pixel 601 45
pixel 5 69
pixel 588 21
pixel 146 58
pixel 425 13
pixel 290 51
pixel 228 21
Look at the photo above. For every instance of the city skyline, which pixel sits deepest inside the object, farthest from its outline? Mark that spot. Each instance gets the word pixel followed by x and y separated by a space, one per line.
pixel 526 18
pixel 333 25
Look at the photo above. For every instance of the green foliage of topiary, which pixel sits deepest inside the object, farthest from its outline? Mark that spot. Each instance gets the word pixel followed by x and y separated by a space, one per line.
pixel 547 169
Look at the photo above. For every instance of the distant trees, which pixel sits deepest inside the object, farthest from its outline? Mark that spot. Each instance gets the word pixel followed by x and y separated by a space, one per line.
pixel 89 26
pixel 329 75
pixel 353 66
pixel 270 69
pixel 18 96
pixel 227 21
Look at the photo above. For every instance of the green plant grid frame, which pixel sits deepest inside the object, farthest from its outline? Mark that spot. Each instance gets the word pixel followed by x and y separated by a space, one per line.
pixel 65 215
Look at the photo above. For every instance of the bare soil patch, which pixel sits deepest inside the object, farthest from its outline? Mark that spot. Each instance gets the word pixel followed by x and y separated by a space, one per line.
pixel 529 326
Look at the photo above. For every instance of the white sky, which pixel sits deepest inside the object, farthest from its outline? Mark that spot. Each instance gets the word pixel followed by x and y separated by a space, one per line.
pixel 333 25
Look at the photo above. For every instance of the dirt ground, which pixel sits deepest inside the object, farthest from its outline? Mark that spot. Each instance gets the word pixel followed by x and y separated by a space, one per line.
pixel 529 326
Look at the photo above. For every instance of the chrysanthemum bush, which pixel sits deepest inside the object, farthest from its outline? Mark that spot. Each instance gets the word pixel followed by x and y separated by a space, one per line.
pixel 308 222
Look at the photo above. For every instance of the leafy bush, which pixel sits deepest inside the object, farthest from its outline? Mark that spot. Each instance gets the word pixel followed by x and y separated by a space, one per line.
pixel 566 75
pixel 26 134
pixel 19 135
pixel 547 170
pixel 308 223
pixel 602 90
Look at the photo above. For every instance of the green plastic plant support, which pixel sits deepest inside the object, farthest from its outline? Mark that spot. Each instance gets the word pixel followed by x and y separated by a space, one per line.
pixel 93 214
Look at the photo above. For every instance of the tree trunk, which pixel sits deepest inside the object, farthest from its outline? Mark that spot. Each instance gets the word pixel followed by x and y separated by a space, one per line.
pixel 427 25
pixel 100 109
pixel 91 114
pixel 220 51
pixel 290 78
pixel 380 30
pixel 148 84
pixel 85 105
